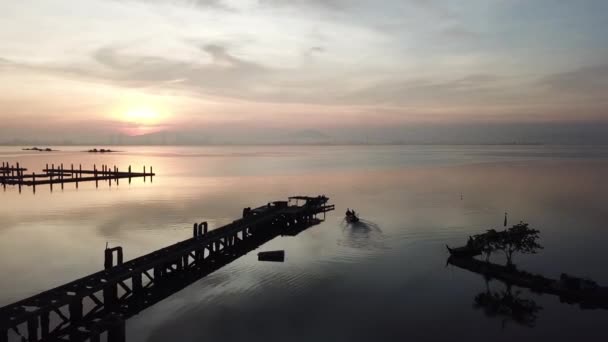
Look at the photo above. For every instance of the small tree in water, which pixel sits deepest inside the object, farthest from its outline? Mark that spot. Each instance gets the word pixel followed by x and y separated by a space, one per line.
pixel 519 238
pixel 489 241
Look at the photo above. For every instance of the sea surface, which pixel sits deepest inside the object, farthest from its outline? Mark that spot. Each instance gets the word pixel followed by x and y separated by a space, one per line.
pixel 383 280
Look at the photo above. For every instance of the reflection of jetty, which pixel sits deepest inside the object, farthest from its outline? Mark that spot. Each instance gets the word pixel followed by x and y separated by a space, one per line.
pixel 95 306
pixel 15 175
pixel 570 289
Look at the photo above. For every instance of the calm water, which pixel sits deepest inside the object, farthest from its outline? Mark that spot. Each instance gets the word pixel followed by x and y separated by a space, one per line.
pixel 384 280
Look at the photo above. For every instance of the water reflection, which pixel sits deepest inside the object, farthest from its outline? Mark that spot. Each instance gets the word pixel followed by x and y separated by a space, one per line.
pixel 338 279
pixel 510 305
pixel 507 304
pixel 363 234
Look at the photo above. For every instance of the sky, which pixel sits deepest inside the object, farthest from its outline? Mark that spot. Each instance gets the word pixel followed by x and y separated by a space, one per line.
pixel 229 70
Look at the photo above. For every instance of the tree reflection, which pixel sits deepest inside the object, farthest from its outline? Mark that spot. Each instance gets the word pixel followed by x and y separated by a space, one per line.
pixel 508 305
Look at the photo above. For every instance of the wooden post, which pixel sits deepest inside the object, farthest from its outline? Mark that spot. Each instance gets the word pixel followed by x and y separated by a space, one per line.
pixel 32 329
pixel 34 181
pixel 75 309
pixel 110 296
pixel 19 177
pixel 44 325
pixel 80 169
pixel 137 283
pixel 144 173
pixel 108 259
pixel 117 330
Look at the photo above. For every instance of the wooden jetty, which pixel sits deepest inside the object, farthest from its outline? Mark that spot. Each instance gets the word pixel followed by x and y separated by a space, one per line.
pixel 569 289
pixel 95 306
pixel 15 175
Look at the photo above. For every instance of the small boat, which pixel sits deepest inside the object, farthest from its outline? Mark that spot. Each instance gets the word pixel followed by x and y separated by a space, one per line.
pixel 465 251
pixel 277 256
pixel 351 217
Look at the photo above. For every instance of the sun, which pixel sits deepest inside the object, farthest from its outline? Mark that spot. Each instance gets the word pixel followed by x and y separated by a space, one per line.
pixel 144 116
pixel 140 119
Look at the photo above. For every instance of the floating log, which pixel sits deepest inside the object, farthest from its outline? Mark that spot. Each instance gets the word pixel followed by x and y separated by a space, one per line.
pixel 276 256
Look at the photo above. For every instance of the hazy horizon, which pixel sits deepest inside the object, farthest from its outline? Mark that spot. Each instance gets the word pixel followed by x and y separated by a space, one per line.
pixel 228 71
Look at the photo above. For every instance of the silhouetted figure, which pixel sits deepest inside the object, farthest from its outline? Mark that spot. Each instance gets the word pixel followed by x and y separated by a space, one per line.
pixel 505 223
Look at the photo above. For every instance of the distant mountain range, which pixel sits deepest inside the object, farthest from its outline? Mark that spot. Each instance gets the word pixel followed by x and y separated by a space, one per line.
pixel 495 134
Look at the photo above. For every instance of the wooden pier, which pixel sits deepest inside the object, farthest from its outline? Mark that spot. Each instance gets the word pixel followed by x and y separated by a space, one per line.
pixel 95 307
pixel 15 175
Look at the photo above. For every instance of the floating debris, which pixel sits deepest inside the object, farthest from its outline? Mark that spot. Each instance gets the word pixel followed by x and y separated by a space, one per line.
pixel 276 256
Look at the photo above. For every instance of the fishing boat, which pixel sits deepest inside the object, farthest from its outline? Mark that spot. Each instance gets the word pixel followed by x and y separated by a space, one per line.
pixel 351 217
pixel 464 251
pixel 471 249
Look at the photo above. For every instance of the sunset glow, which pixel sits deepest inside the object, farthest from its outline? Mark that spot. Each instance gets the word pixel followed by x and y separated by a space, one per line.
pixel 273 69
pixel 142 116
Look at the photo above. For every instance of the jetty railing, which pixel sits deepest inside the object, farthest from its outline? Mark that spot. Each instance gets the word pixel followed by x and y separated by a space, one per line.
pixel 86 308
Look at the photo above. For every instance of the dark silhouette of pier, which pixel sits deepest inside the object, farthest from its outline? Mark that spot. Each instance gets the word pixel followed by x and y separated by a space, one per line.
pixel 15 175
pixel 95 307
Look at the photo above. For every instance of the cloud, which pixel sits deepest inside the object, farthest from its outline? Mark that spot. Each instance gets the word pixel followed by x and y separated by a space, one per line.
pixel 474 88
pixel 220 73
pixel 202 4
pixel 334 5
pixel 589 81
pixel 460 33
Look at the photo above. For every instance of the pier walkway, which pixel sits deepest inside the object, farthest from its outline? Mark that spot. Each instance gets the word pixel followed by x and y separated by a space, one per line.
pixel 95 307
